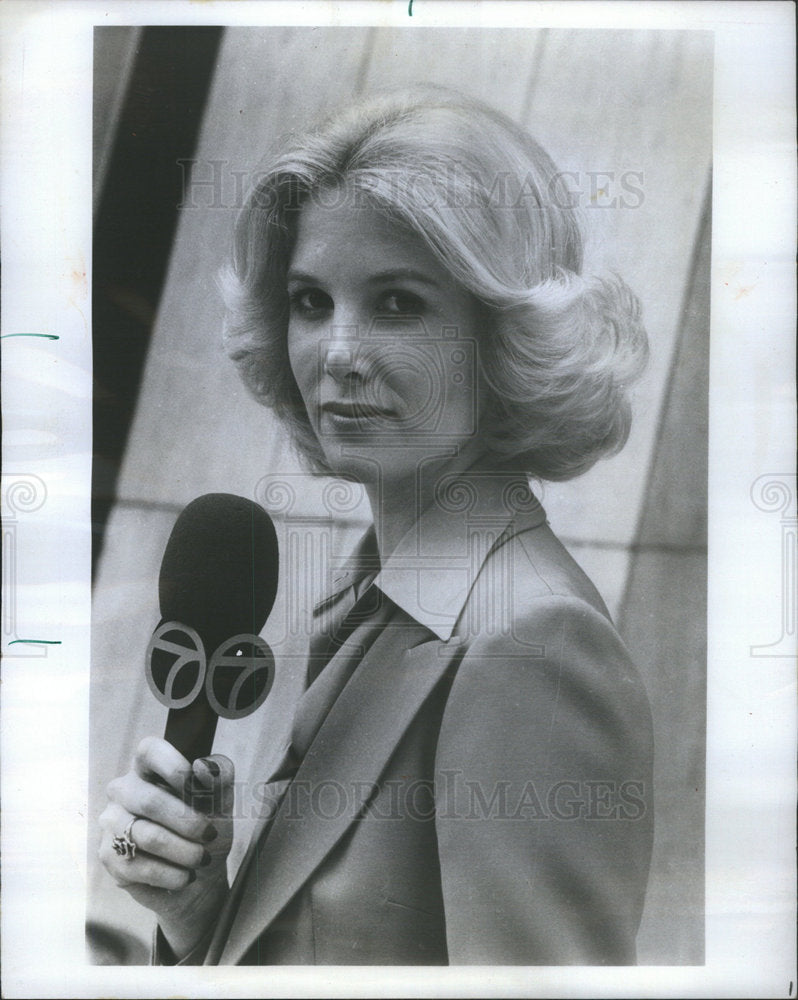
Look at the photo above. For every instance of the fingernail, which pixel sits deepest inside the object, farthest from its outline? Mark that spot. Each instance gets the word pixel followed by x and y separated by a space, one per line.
pixel 192 876
pixel 205 860
pixel 212 766
pixel 211 833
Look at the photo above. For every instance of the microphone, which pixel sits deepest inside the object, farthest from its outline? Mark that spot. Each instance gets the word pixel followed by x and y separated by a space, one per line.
pixel 217 586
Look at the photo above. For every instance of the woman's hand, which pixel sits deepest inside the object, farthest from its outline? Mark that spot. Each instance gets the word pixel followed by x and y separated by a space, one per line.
pixel 182 831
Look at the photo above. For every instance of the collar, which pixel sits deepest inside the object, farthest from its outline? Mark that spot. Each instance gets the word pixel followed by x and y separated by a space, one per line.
pixel 362 565
pixel 432 570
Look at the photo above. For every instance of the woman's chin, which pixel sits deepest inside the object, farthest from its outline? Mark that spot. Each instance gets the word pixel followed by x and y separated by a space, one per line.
pixel 396 461
pixel 373 464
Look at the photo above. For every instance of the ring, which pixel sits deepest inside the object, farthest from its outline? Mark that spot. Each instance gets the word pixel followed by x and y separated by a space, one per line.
pixel 125 846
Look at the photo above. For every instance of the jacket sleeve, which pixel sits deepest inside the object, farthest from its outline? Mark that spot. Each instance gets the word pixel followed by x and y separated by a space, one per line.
pixel 544 809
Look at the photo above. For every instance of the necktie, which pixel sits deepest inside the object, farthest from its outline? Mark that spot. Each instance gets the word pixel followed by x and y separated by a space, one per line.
pixel 334 655
pixel 353 608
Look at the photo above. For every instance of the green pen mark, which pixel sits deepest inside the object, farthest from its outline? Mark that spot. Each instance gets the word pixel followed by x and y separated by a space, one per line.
pixel 40 642
pixel 47 336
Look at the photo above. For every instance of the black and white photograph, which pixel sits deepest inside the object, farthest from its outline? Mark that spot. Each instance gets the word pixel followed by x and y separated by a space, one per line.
pixel 407 373
pixel 384 237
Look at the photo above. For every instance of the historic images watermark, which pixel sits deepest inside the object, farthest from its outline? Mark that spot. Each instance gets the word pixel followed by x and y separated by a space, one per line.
pixel 23 493
pixel 774 493
pixel 454 797
pixel 451 796
pixel 216 184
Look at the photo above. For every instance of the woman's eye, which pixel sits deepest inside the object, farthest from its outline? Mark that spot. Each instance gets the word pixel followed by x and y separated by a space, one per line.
pixel 401 304
pixel 310 301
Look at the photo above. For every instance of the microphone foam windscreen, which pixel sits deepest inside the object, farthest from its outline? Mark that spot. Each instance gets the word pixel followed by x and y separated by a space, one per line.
pixel 220 568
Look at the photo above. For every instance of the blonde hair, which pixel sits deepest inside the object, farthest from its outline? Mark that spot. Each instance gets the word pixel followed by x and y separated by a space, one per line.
pixel 560 351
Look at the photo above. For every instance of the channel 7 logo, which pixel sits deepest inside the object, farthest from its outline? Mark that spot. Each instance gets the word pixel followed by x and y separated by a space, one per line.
pixel 398 376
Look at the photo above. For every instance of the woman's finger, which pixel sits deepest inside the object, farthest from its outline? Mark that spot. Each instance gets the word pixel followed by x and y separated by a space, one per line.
pixel 150 838
pixel 135 866
pixel 143 869
pixel 142 798
pixel 156 759
pixel 114 819
pixel 213 785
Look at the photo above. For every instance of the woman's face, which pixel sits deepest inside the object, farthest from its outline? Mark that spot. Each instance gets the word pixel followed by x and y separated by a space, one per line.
pixel 382 343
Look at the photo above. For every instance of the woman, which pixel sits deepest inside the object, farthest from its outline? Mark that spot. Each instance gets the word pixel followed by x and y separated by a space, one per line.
pixel 469 772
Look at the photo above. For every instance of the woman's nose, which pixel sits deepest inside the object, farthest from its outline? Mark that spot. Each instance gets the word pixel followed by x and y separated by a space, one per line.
pixel 341 353
pixel 339 362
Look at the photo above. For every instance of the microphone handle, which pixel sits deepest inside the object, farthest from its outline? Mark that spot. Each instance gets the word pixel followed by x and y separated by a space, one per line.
pixel 191 729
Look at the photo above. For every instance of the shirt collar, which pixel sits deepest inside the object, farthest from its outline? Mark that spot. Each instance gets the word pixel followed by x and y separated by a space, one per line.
pixel 431 571
pixel 364 562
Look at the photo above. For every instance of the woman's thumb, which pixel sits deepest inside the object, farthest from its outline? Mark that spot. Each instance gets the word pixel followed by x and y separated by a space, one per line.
pixel 214 784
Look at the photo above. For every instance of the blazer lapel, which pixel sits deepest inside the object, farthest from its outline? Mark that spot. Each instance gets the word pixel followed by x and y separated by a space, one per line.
pixel 349 753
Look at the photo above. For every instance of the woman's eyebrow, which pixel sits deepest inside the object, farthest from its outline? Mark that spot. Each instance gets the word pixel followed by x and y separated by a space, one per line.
pixel 400 273
pixel 380 277
pixel 302 276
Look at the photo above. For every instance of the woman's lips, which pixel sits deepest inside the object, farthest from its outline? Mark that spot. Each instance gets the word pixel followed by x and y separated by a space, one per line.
pixel 354 411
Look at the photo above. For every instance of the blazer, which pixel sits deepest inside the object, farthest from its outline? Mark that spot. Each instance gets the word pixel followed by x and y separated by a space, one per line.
pixel 480 790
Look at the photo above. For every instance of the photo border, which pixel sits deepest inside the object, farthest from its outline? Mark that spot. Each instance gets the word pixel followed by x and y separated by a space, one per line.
pixel 46 198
